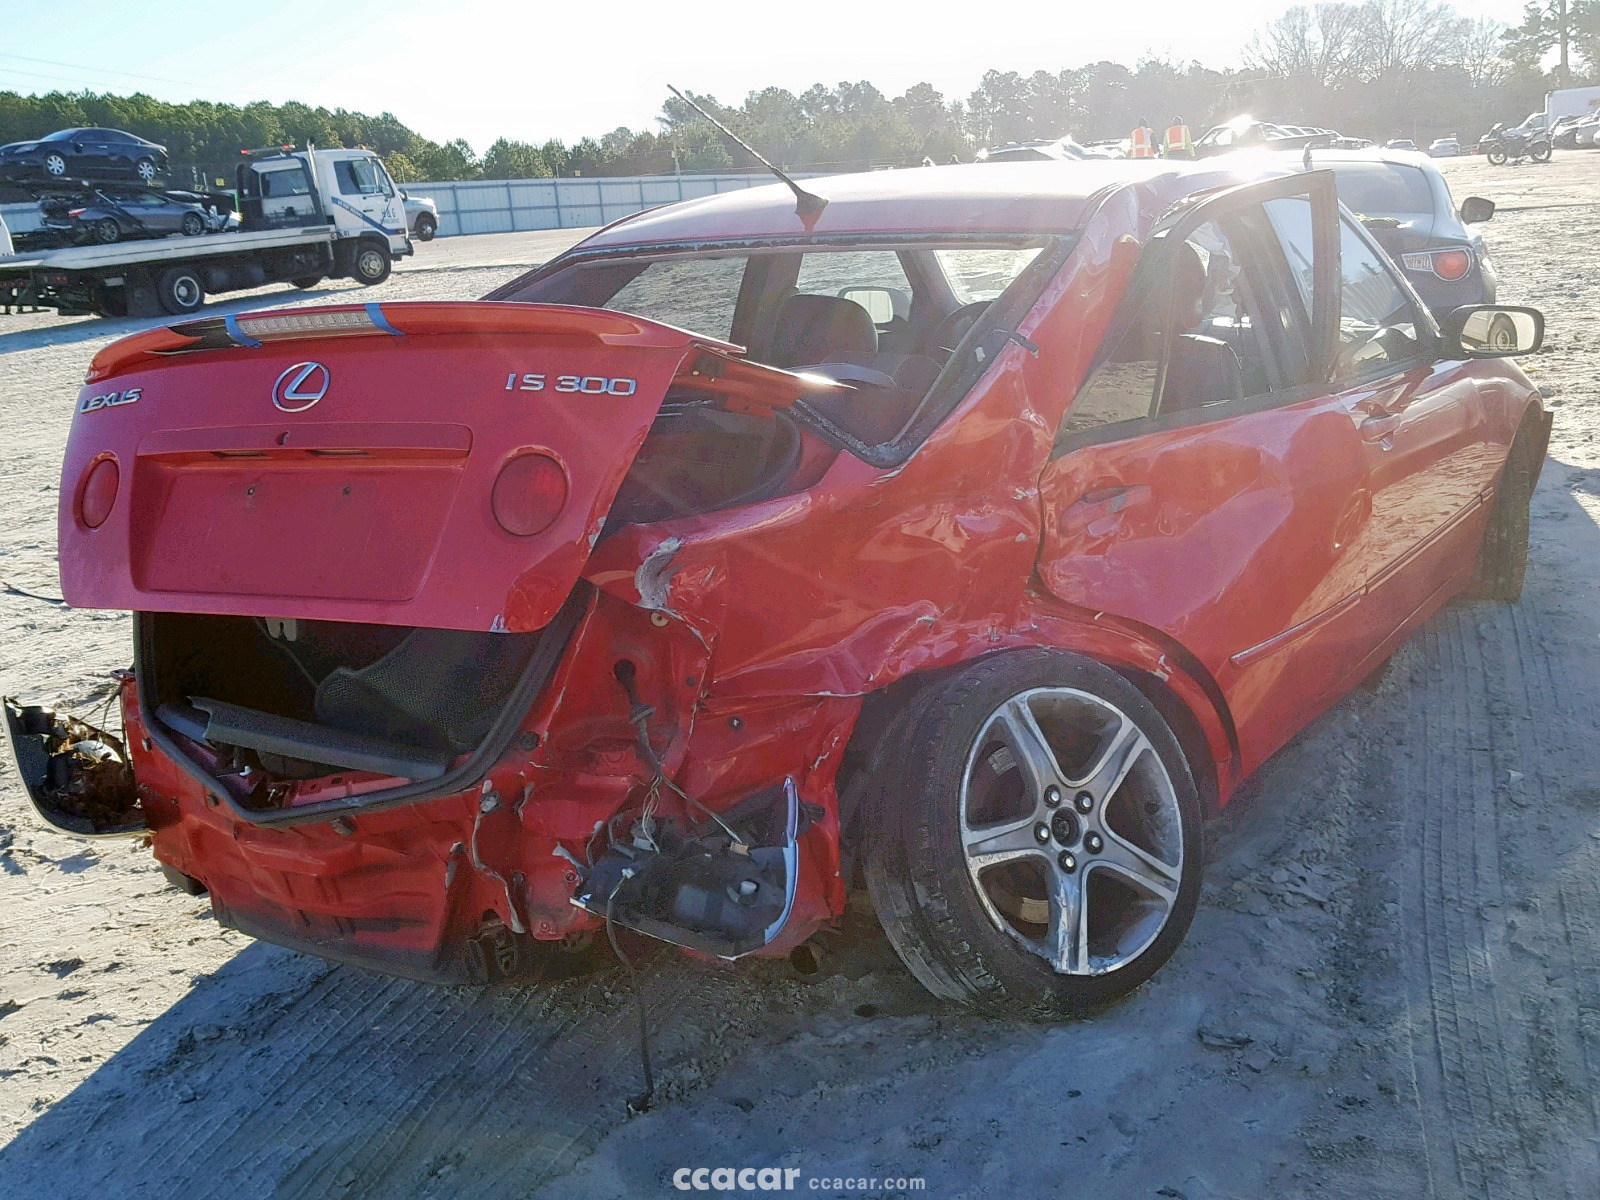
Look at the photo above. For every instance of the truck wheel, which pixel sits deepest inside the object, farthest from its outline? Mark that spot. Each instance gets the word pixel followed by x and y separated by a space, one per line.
pixel 106 231
pixel 1033 844
pixel 426 227
pixel 180 291
pixel 371 263
pixel 193 224
pixel 306 281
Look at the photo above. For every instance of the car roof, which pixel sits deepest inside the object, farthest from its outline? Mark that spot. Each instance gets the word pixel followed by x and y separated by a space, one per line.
pixel 1005 199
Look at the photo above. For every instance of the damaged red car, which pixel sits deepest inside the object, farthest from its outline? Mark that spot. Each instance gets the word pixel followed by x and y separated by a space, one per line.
pixel 971 532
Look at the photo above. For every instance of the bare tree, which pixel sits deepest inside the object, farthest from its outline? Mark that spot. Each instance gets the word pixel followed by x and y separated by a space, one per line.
pixel 1482 52
pixel 1316 47
pixel 1409 35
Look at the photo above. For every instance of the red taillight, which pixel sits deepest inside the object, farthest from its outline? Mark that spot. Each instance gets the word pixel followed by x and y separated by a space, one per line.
pixel 529 494
pixel 76 212
pixel 1451 264
pixel 1446 264
pixel 98 493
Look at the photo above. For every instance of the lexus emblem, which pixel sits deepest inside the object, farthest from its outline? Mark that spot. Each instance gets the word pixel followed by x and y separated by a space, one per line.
pixel 301 386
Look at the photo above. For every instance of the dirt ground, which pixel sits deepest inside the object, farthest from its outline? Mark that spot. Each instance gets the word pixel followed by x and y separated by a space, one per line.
pixel 1392 988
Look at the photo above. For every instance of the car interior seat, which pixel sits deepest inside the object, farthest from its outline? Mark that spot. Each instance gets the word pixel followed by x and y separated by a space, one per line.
pixel 1201 370
pixel 836 337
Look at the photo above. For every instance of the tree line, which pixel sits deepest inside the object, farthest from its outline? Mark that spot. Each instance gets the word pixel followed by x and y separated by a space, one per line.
pixel 1378 69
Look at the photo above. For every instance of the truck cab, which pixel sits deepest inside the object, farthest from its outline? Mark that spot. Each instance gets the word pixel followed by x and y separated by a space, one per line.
pixel 347 189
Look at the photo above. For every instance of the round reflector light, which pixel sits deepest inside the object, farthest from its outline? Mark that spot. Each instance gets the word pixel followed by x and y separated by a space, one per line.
pixel 98 493
pixel 1451 264
pixel 529 494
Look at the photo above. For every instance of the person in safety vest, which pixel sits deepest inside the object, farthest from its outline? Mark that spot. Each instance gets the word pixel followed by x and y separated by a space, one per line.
pixel 1143 142
pixel 1176 142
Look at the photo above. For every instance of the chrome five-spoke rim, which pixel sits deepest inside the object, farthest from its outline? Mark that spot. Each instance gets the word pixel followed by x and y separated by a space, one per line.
pixel 1072 830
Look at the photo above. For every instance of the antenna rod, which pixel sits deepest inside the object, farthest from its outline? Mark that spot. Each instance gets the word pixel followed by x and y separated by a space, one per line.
pixel 807 204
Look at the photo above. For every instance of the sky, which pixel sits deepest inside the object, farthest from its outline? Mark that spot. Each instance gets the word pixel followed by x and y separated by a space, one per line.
pixel 534 71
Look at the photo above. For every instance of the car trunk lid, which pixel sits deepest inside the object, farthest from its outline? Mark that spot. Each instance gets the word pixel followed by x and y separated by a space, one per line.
pixel 339 463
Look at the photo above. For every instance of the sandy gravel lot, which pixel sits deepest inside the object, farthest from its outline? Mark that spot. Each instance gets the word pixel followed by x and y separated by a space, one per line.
pixel 1392 988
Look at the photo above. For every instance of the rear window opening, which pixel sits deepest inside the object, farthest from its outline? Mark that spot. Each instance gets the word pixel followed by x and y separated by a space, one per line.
pixel 284 700
pixel 885 317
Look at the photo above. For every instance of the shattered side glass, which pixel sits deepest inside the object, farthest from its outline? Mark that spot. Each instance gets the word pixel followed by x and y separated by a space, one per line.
pixel 982 274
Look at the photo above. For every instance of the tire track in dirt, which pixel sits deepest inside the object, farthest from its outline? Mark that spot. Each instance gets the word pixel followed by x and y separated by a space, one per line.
pixel 507 1088
pixel 1505 1070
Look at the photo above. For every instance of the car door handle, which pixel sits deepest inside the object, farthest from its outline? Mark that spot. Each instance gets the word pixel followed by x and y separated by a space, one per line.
pixel 1097 511
pixel 1380 429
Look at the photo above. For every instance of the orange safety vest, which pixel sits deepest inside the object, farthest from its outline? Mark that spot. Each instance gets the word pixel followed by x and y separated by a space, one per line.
pixel 1178 141
pixel 1141 146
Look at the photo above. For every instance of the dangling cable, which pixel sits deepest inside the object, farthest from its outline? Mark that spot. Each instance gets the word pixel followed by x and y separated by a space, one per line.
pixel 640 1103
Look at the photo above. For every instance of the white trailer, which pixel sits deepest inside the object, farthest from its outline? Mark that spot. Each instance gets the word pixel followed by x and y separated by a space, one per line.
pixel 305 216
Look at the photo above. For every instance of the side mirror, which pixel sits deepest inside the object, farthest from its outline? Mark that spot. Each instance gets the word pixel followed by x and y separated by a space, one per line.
pixel 1494 331
pixel 1475 209
pixel 884 304
pixel 404 195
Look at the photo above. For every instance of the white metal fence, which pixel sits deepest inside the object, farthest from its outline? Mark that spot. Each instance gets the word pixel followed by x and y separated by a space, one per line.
pixel 512 205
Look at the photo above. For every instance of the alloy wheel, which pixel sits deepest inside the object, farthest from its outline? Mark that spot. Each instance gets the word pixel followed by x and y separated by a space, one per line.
pixel 1072 830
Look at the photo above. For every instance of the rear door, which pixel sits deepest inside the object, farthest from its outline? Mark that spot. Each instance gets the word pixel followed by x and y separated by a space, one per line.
pixel 1207 481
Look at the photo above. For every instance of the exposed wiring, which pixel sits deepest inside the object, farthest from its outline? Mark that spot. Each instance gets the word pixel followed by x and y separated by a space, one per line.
pixel 639 717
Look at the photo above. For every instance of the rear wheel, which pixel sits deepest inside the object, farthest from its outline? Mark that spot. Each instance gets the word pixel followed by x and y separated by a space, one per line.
pixel 426 227
pixel 145 169
pixel 180 291
pixel 1541 152
pixel 371 263
pixel 1034 839
pixel 193 224
pixel 1503 557
pixel 106 231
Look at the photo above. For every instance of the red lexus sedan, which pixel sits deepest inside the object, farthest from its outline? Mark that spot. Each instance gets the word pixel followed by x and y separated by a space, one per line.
pixel 970 530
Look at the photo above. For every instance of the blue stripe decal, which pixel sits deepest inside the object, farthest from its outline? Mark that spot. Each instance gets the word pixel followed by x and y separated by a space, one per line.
pixel 375 315
pixel 375 224
pixel 231 322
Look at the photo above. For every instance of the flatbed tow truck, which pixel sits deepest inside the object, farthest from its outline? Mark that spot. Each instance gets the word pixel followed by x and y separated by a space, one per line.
pixel 305 216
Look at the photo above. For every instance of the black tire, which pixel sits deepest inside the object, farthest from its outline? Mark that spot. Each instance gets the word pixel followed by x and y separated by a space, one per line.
pixel 145 169
pixel 55 165
pixel 426 227
pixel 942 913
pixel 306 281
pixel 105 231
pixel 1496 156
pixel 181 291
pixel 1502 333
pixel 1503 556
pixel 193 224
pixel 1541 152
pixel 370 263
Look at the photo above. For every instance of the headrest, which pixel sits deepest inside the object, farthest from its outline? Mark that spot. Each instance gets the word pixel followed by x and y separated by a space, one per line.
pixel 818 329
